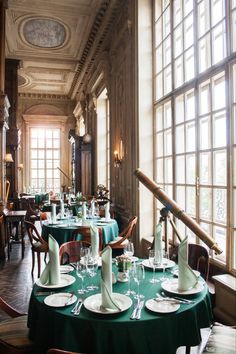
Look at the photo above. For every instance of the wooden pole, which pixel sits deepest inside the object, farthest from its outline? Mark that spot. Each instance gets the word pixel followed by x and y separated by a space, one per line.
pixel 175 209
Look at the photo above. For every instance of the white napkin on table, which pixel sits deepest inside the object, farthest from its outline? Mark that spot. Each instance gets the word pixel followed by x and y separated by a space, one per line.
pixel 53 213
pixel 107 211
pixel 51 273
pixel 94 241
pixel 107 301
pixel 93 208
pixel 158 244
pixel 187 279
pixel 84 210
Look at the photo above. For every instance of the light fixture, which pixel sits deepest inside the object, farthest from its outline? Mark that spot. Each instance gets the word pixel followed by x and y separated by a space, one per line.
pixel 8 158
pixel 119 155
pixel 20 166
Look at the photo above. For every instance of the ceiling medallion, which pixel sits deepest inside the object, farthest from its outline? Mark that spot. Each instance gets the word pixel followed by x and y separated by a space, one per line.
pixel 44 33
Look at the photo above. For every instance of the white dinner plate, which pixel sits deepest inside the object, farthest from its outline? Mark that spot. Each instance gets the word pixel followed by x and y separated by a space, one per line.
pixel 161 306
pixel 60 300
pixel 93 304
pixel 171 285
pixel 168 263
pixel 66 269
pixel 66 280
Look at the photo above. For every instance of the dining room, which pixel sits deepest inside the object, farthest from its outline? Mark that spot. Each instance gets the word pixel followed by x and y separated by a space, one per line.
pixel 118 175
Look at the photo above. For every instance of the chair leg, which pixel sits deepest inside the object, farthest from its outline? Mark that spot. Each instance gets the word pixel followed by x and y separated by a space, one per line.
pixel 33 262
pixel 39 263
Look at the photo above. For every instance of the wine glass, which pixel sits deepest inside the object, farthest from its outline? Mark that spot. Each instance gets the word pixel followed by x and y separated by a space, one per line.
pixel 81 272
pixel 92 268
pixel 139 276
pixel 129 249
pixel 164 263
pixel 130 274
pixel 153 262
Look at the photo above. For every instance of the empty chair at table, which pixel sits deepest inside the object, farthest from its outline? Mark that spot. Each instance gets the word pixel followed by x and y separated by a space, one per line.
pixel 69 252
pixel 38 245
pixel 84 233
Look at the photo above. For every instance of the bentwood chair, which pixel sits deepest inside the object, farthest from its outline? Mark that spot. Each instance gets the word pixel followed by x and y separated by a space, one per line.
pixel 84 233
pixel 14 332
pixel 125 236
pixel 38 245
pixel 59 351
pixel 69 252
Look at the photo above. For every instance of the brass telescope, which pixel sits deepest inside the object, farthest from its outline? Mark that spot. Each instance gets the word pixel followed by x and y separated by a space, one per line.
pixel 175 209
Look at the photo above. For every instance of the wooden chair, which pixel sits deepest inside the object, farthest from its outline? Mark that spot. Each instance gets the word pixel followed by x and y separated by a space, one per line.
pixel 43 215
pixel 69 252
pixel 125 236
pixel 222 340
pixel 14 332
pixel 38 245
pixel 59 351
pixel 85 234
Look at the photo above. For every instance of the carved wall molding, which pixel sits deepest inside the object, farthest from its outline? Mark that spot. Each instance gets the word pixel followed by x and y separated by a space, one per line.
pixel 43 96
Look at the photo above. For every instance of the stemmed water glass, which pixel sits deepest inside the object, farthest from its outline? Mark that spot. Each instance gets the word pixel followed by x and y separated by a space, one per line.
pixel 81 273
pixel 130 274
pixel 153 261
pixel 139 276
pixel 129 249
pixel 92 268
pixel 164 263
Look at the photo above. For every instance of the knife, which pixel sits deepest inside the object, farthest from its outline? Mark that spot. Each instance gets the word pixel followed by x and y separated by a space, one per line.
pixel 139 310
pixel 44 293
pixel 133 315
pixel 171 301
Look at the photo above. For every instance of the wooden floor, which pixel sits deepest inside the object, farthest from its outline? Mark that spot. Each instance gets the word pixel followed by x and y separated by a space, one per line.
pixel 15 278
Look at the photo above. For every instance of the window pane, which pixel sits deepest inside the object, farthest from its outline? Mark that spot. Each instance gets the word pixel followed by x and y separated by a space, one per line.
pixel 180 169
pixel 158 63
pixel 205 170
pixel 219 168
pixel 178 41
pixel 188 6
pixel 218 11
pixel 190 200
pixel 204 49
pixel 188 32
pixel 167 80
pixel 190 137
pixel 160 171
pixel 159 90
pixel 219 203
pixel 191 163
pixel 203 17
pixel 167 115
pixel 218 95
pixel 219 132
pixel 205 203
pixel 205 136
pixel 177 11
pixel 168 142
pixel 168 170
pixel 180 196
pixel 219 49
pixel 204 98
pixel 189 64
pixel 233 31
pixel 166 22
pixel 166 51
pixel 190 105
pixel 179 133
pixel 160 144
pixel 158 29
pixel 179 72
pixel 179 109
pixel 219 235
pixel 159 125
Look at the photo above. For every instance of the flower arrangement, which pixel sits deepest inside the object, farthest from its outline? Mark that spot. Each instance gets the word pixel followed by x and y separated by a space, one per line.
pixel 123 263
pixel 80 198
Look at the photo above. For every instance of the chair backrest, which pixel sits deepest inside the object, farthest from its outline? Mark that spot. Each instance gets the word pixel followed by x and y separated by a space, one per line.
pixel 33 233
pixel 70 251
pixel 198 258
pixel 127 233
pixel 59 351
pixel 43 216
pixel 85 233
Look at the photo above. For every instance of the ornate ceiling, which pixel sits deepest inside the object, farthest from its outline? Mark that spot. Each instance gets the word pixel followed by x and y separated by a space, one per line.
pixel 53 39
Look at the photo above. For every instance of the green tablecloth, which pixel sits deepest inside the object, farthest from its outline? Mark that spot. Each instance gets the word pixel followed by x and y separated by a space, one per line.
pixel 64 234
pixel 115 334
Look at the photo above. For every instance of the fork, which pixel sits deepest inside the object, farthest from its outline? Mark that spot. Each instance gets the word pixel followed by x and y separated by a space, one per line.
pixel 76 305
pixel 177 298
pixel 77 310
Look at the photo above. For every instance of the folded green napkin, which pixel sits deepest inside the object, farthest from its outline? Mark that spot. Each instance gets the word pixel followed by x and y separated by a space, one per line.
pixel 51 273
pixel 158 244
pixel 94 241
pixel 187 279
pixel 107 301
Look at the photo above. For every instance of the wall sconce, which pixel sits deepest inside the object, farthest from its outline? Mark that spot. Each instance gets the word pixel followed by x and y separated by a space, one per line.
pixel 8 158
pixel 20 166
pixel 119 155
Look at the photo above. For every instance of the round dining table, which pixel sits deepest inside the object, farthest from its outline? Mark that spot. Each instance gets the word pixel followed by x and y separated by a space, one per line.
pixel 62 231
pixel 94 333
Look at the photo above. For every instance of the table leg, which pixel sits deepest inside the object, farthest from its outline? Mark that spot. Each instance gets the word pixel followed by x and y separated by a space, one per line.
pixel 22 240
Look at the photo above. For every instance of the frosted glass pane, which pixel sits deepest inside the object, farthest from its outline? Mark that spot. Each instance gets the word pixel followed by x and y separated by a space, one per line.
pixel 218 95
pixel 158 59
pixel 204 48
pixel 190 200
pixel 158 9
pixel 40 154
pixel 158 32
pixel 219 205
pixel 159 144
pixel 168 142
pixel 191 166
pixel 205 203
pixel 218 11
pixel 189 64
pixel 56 163
pixel 56 154
pixel 219 43
pixel 159 124
pixel 178 41
pixel 204 98
pixel 188 31
pixel 167 115
pixel 179 141
pixel 159 89
pixel 34 164
pixel 188 6
pixel 49 174
pixel 169 191
pixel 166 22
pixel 179 109
pixel 203 17
pixel 167 75
pixel 56 144
pixel 48 144
pixel 180 169
pixel 168 170
pixel 34 143
pixel 34 154
pixel 190 137
pixel 205 170
pixel 177 11
pixel 49 154
pixel 160 171
pixel 180 196
pixel 34 173
pixel 167 51
pixel 41 163
pixel 190 105
pixel 49 163
pixel 219 168
pixel 219 234
pixel 205 137
pixel 179 72
pixel 219 130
